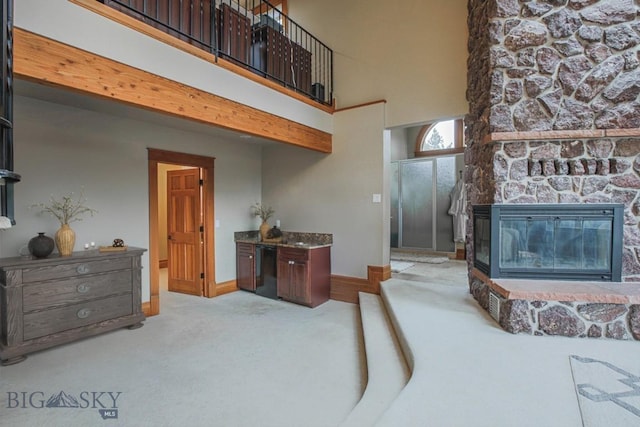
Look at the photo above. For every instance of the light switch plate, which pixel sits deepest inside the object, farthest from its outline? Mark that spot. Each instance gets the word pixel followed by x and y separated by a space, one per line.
pixel 217 223
pixel 377 198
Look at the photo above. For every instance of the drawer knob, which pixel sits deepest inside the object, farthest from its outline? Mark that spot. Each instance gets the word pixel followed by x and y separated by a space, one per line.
pixel 83 288
pixel 82 269
pixel 250 256
pixel 83 313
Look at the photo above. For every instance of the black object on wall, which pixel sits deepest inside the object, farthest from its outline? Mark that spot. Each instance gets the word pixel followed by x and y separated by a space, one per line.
pixel 7 176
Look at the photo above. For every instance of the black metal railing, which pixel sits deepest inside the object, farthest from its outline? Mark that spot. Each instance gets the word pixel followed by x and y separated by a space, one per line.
pixel 7 176
pixel 253 34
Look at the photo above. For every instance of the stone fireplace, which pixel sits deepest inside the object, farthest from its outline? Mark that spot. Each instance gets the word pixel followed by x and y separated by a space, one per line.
pixel 554 119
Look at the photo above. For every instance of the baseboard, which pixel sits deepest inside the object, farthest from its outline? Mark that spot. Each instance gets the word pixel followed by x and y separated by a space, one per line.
pixel 345 288
pixel 377 274
pixel 152 307
pixel 226 287
pixel 146 308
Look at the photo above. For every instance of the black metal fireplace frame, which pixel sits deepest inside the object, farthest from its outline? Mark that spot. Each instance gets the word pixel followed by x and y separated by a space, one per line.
pixel 494 213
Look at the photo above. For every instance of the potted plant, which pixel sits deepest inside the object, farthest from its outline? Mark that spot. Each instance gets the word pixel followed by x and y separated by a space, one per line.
pixel 264 212
pixel 66 210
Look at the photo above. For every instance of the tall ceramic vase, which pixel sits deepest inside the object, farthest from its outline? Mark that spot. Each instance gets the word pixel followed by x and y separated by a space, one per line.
pixel 65 240
pixel 264 229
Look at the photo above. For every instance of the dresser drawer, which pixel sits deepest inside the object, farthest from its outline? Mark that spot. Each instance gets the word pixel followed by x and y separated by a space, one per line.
pixel 61 271
pixel 290 254
pixel 43 295
pixel 49 322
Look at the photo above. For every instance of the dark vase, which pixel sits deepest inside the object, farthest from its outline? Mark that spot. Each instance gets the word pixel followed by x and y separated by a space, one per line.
pixel 41 246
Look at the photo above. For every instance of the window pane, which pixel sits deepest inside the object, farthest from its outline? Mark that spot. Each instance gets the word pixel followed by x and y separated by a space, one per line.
pixel 597 243
pixel 568 244
pixel 440 137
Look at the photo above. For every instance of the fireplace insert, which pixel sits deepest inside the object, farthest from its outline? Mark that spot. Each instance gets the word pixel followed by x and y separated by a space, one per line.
pixel 542 241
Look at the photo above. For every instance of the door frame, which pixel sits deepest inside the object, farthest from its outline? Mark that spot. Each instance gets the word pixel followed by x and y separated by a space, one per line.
pixel 155 156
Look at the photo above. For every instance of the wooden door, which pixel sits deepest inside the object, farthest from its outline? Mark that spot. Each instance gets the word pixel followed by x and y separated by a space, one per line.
pixel 184 232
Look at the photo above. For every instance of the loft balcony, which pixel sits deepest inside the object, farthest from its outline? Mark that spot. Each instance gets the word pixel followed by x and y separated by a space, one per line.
pixel 254 35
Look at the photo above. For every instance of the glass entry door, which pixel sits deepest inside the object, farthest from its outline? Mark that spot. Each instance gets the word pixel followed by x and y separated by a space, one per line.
pixel 420 192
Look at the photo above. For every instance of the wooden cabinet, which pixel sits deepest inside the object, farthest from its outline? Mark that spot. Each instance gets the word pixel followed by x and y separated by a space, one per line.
pixel 304 275
pixel 246 266
pixel 56 300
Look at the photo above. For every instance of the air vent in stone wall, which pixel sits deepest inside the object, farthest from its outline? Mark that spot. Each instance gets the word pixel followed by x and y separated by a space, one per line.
pixel 575 167
pixel 494 306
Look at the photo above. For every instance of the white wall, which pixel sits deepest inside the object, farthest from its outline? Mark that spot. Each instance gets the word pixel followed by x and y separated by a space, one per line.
pixel 399 144
pixel 61 149
pixel 333 193
pixel 79 27
pixel 412 53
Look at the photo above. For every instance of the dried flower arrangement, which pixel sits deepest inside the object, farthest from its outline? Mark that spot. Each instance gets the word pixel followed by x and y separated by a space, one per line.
pixel 263 211
pixel 67 209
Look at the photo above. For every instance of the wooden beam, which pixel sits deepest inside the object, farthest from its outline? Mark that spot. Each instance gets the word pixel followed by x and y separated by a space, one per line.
pixel 46 61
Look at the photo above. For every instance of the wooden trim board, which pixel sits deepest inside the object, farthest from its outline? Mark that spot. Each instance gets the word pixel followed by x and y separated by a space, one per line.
pixel 226 287
pixel 46 61
pixel 345 288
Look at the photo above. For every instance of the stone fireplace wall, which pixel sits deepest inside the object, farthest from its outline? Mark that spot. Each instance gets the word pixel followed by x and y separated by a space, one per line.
pixel 554 107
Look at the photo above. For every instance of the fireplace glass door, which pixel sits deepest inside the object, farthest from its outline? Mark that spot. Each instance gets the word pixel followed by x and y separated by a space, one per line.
pixel 556 244
pixel 562 241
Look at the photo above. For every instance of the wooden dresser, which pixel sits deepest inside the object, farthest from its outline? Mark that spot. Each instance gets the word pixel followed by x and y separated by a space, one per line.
pixel 56 300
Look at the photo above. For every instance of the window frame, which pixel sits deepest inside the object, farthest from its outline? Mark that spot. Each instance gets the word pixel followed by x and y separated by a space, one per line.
pixel 458 139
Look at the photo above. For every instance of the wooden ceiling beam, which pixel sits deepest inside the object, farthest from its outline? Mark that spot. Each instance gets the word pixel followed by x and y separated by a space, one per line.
pixel 46 61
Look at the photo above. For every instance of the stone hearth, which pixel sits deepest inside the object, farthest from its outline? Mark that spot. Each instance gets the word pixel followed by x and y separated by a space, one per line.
pixel 573 309
pixel 554 116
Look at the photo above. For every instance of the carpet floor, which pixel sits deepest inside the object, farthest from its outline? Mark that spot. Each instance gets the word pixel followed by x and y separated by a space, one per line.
pixel 236 360
pixel 468 371
pixel 243 360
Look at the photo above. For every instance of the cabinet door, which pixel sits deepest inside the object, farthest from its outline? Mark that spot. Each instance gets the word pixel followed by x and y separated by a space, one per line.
pixel 284 279
pixel 299 282
pixel 245 266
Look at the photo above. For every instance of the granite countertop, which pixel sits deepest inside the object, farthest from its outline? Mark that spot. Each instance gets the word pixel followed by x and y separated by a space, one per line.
pixel 290 239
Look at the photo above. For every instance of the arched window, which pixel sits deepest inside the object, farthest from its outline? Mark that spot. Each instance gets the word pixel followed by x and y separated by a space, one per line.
pixel 444 137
